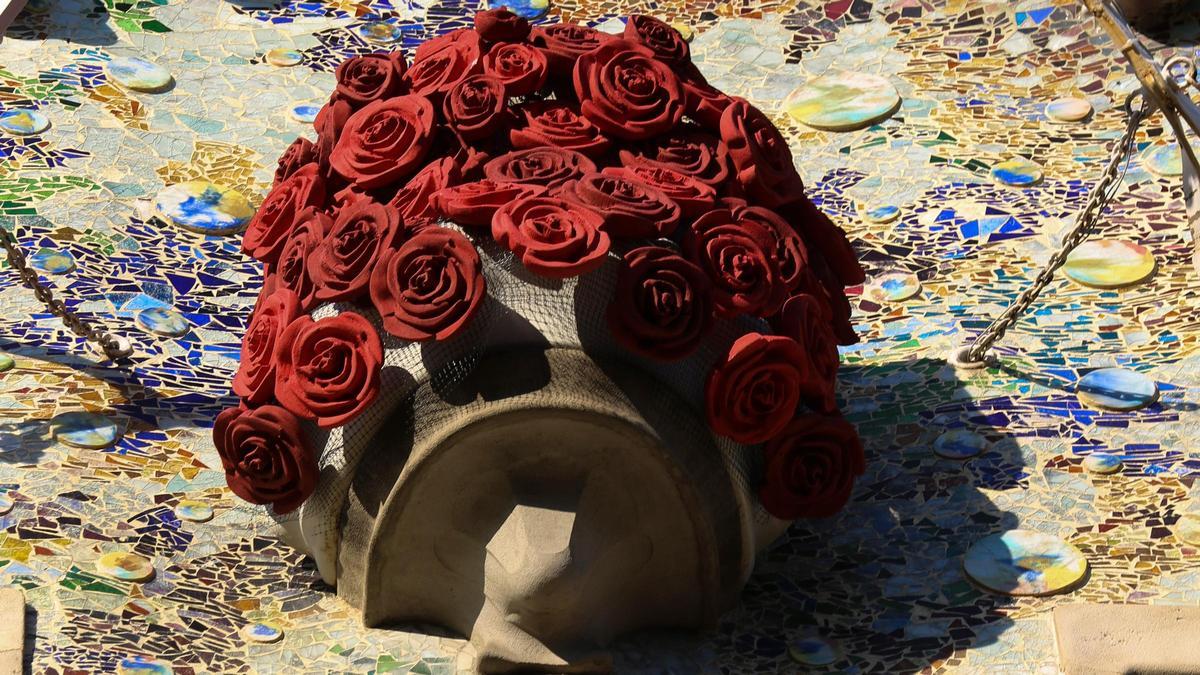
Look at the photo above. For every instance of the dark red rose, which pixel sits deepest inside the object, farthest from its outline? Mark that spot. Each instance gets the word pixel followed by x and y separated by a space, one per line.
pixel 475 203
pixel 340 267
pixel 412 201
pixel 345 197
pixel 760 155
pixel 255 378
pixel 300 152
pixel 820 233
pixel 556 124
pixel 329 123
pixel 666 42
pixel 471 162
pixel 791 255
pixel 552 237
pixel 264 456
pixel 751 395
pixel 564 43
pixel 370 77
pixel 548 167
pixel 738 258
pixel 626 92
pixel 811 467
pixel 661 307
pixel 429 287
pixel 328 370
pixel 692 196
pixel 501 25
pixel 689 151
pixel 803 318
pixel 291 270
pixel 443 62
pixel 520 67
pixel 475 107
pixel 269 228
pixel 630 208
pixel 384 142
pixel 704 104
pixel 828 287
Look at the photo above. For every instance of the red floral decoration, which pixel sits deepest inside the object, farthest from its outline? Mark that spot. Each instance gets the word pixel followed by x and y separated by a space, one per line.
pixel 752 394
pixel 811 467
pixel 429 287
pixel 662 307
pixel 552 237
pixel 328 370
pixel 255 379
pixel 264 456
pixel 384 141
pixel 568 147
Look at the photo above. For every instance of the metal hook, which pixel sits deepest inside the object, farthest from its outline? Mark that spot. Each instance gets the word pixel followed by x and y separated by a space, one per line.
pixel 1182 71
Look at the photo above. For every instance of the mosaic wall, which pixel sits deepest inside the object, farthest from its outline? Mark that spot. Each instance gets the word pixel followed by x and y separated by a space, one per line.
pixel 880 588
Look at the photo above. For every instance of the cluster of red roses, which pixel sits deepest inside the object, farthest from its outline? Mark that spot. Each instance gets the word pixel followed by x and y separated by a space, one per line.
pixel 565 142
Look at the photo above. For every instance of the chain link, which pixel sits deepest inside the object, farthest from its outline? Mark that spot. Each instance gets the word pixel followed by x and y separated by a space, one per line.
pixel 114 347
pixel 1085 225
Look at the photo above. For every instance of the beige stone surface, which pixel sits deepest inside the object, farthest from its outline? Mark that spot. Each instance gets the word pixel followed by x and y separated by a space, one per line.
pixel 12 630
pixel 549 507
pixel 1127 639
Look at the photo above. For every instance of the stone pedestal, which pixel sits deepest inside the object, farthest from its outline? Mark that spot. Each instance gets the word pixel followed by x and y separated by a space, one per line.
pixel 548 505
pixel 534 487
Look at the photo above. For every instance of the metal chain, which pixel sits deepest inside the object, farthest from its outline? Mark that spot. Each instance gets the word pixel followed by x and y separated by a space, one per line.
pixel 1085 225
pixel 113 346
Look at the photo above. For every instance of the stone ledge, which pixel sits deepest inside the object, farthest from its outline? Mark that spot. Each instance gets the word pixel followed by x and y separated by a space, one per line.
pixel 1127 639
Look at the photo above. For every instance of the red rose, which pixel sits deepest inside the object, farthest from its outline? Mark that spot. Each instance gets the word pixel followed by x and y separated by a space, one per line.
pixel 475 107
pixel 501 25
pixel 345 197
pixel 556 124
pixel 630 208
pixel 564 43
pixel 370 77
pixel 761 158
pixel 443 62
pixel 552 237
pixel 791 255
pixel 626 92
pixel 273 222
pixel 828 287
pixel 548 167
pixel 666 42
pixel 752 394
pixel 688 151
pixel 803 319
pixel 341 266
pixel 329 123
pixel 328 370
pixel 429 287
pixel 692 196
pixel 520 67
pixel 412 201
pixel 661 307
pixel 820 233
pixel 264 456
pixel 299 153
pixel 291 270
pixel 384 142
pixel 811 467
pixel 255 378
pixel 738 258
pixel 475 203
pixel 704 104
